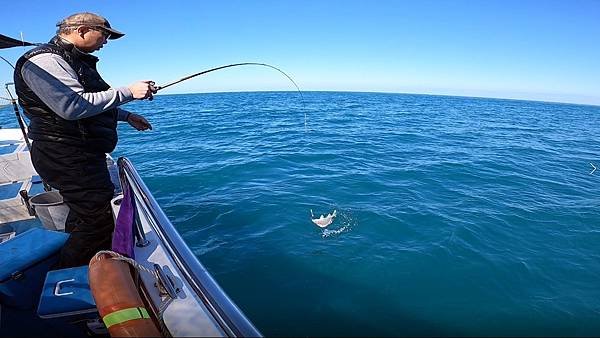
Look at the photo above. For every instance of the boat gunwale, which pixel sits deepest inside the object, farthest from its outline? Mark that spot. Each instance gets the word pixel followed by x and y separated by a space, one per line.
pixel 229 317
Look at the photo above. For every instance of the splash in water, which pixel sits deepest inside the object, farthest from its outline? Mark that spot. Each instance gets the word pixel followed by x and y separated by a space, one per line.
pixel 332 232
pixel 346 223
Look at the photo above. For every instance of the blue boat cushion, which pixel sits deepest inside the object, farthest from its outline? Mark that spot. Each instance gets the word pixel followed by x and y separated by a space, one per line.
pixel 24 261
pixel 27 249
pixel 10 190
pixel 8 148
pixel 66 292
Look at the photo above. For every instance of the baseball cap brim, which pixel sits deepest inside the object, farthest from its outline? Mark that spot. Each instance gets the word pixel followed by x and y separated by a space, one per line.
pixel 114 34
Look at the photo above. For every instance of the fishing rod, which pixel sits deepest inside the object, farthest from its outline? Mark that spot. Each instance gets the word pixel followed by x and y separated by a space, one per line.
pixel 13 101
pixel 21 122
pixel 228 66
pixel 157 88
pixel 5 60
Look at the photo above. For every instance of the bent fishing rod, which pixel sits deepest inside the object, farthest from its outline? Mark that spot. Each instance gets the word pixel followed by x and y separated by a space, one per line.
pixel 157 88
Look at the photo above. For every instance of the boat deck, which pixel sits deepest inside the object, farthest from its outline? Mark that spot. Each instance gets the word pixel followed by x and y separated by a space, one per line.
pixel 180 292
pixel 16 175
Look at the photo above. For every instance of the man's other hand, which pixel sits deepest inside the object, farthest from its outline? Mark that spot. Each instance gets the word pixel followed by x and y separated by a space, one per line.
pixel 138 122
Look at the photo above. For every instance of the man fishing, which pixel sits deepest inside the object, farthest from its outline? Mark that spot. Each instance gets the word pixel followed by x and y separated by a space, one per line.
pixel 73 117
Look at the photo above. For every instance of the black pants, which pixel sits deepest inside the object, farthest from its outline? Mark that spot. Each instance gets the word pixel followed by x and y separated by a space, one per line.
pixel 84 183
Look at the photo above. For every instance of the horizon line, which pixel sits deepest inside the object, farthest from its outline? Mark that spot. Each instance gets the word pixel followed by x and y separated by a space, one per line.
pixel 595 105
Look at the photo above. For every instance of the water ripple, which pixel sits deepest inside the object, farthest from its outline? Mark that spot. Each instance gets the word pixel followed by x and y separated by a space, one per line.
pixel 455 214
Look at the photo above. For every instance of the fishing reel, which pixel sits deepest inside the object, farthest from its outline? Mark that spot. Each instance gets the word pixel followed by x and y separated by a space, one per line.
pixel 153 88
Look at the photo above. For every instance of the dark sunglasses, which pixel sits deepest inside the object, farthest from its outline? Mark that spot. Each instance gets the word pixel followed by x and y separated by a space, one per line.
pixel 102 30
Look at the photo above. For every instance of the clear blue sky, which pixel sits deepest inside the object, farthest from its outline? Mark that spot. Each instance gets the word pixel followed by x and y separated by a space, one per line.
pixel 541 50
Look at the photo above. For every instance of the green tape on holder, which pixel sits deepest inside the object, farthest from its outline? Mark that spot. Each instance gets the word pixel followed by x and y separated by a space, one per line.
pixel 124 315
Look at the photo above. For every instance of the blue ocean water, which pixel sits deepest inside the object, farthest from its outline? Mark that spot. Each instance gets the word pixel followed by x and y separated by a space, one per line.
pixel 456 216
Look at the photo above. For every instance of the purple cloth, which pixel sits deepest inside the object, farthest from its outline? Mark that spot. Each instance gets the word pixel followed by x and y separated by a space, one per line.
pixel 123 237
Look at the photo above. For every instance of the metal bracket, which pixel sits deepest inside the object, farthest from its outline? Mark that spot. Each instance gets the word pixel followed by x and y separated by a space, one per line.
pixel 165 284
pixel 25 197
pixel 140 236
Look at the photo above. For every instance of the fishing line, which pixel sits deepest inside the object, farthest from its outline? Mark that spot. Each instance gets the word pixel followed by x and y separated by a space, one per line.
pixel 157 88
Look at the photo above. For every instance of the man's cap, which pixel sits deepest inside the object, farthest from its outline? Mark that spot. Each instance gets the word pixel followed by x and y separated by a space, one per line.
pixel 91 20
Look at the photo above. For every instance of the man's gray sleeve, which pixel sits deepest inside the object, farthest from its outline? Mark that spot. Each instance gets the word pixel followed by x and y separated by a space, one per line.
pixel 54 81
pixel 123 114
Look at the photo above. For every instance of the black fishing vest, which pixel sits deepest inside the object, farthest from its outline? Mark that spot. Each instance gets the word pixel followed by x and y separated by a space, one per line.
pixel 96 134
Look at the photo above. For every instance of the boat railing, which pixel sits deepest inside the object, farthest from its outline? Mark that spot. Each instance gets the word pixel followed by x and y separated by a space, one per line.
pixel 229 317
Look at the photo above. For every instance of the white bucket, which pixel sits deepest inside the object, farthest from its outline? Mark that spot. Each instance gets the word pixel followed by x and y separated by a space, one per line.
pixel 50 210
